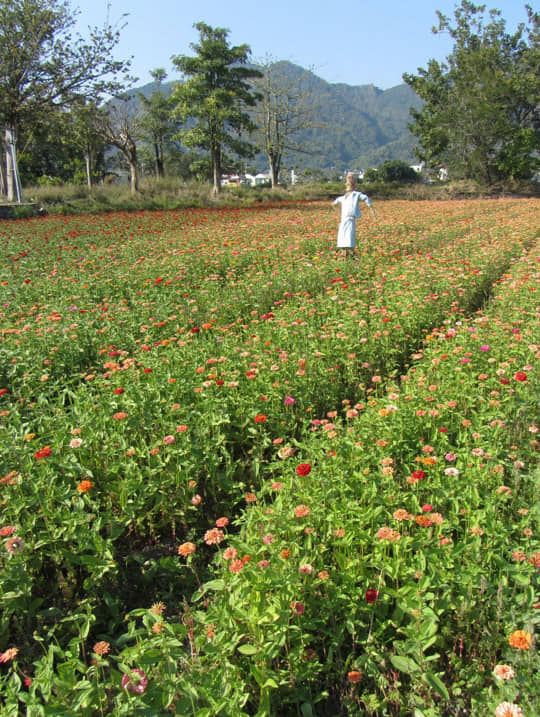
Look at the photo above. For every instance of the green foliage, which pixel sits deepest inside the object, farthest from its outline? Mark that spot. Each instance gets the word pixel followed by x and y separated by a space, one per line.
pixel 480 116
pixel 393 171
pixel 241 474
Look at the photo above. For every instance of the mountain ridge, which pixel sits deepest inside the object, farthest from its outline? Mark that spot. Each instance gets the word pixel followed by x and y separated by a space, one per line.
pixel 357 125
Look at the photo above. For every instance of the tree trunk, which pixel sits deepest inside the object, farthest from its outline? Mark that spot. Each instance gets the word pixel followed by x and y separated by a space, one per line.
pixel 216 165
pixel 88 167
pixel 3 184
pixel 160 169
pixel 14 189
pixel 133 176
pixel 274 162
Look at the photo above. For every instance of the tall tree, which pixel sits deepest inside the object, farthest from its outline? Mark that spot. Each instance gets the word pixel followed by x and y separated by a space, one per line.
pixel 286 107
pixel 216 94
pixel 481 115
pixel 119 125
pixel 42 65
pixel 157 124
pixel 85 135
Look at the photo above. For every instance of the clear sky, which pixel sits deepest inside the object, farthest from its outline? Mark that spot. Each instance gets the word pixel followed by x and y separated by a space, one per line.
pixel 357 43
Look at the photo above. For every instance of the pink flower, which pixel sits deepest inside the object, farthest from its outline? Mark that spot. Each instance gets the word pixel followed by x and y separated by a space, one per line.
pixel 6 531
pixel 427 507
pixel 289 401
pixel 508 709
pixel 235 566
pixel 268 539
pixel 135 682
pixel 306 569
pixel 503 672
pixel 222 522
pixel 213 536
pixel 168 440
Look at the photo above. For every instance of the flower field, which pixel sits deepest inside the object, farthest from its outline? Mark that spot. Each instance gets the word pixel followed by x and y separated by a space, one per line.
pixel 244 475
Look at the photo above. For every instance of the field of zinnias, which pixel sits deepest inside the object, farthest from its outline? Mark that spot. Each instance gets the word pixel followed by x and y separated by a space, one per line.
pixel 243 475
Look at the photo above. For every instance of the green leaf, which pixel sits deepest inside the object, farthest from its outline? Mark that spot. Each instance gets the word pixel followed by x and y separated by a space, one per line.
pixel 404 664
pixel 437 684
pixel 247 649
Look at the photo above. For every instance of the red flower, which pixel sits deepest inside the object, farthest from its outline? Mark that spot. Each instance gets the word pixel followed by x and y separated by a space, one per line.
pixel 371 595
pixel 3 391
pixel 195 330
pixel 42 453
pixel 260 418
pixel 118 391
pixel 418 475
pixel 520 376
pixel 303 469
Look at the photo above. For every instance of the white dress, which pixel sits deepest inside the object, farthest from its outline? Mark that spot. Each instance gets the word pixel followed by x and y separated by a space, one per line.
pixel 350 211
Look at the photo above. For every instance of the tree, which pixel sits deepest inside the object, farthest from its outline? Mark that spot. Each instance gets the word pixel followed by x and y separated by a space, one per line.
pixel 43 67
pixel 394 170
pixel 216 95
pixel 119 125
pixel 156 122
pixel 84 134
pixel 285 108
pixel 481 115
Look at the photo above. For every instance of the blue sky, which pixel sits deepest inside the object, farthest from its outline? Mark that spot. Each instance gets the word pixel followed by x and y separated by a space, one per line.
pixel 356 43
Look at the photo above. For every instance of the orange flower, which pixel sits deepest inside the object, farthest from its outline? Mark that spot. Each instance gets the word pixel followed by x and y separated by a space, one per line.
pixel 213 536
pixel 84 486
pixel 235 566
pixel 390 534
pixel 101 647
pixel 402 514
pixel 186 549
pixel 9 654
pixel 520 639
pixel 301 511
pixel 354 676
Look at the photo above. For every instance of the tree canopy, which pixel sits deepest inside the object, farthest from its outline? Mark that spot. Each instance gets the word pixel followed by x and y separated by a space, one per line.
pixel 43 66
pixel 216 95
pixel 481 116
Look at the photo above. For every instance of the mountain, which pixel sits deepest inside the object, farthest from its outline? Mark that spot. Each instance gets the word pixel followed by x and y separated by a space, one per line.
pixel 357 126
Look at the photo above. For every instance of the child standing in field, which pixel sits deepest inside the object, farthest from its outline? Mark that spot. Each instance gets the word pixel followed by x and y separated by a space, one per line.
pixel 350 212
